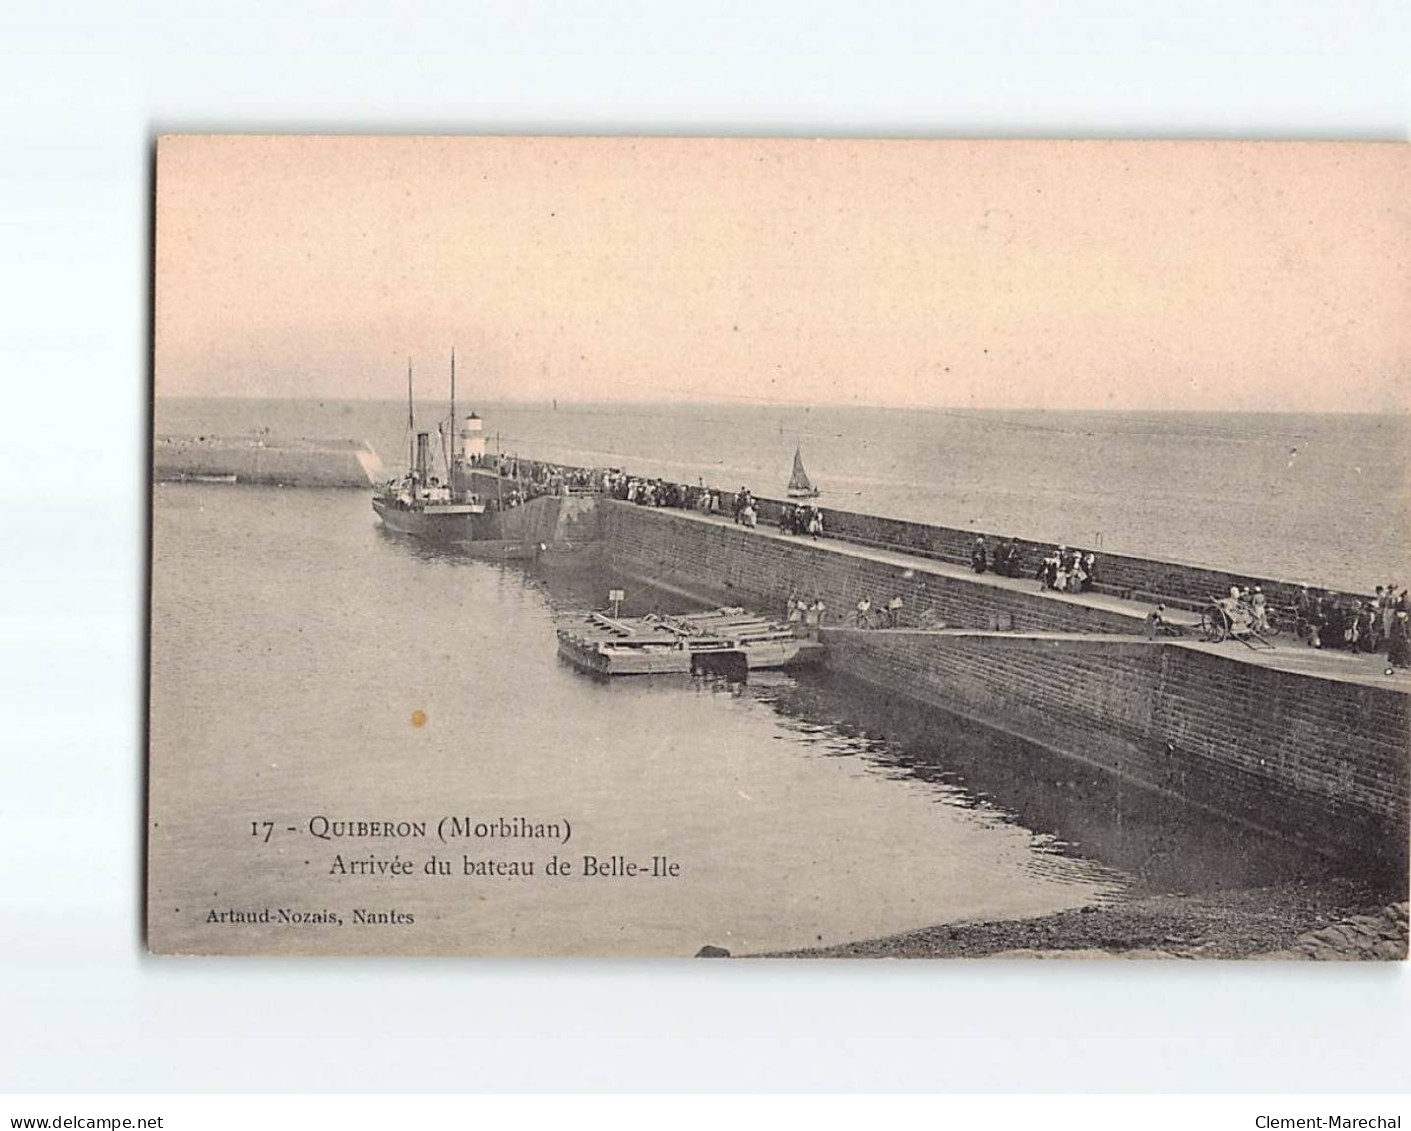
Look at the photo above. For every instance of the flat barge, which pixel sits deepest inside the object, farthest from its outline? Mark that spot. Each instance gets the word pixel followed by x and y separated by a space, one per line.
pixel 723 642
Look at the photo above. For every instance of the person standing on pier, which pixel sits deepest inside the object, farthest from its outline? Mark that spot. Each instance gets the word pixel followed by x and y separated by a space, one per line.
pixel 1261 610
pixel 979 556
pixel 1073 567
pixel 1012 562
pixel 1303 614
pixel 1155 622
pixel 894 612
pixel 1369 628
pixel 1236 612
pixel 743 500
pixel 1076 575
pixel 1317 620
pixel 1399 642
pixel 1387 610
pixel 1048 572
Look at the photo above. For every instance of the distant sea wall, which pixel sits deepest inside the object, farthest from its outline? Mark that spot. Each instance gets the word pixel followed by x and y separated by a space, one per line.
pixel 265 460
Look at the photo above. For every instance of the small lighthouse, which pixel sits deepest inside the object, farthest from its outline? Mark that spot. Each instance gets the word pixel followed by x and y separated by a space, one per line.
pixel 473 440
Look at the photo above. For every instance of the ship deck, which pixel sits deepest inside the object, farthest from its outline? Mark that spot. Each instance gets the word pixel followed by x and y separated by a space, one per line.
pixel 718 640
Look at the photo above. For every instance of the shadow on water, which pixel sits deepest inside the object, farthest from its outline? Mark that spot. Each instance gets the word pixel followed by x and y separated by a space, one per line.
pixel 569 579
pixel 1071 809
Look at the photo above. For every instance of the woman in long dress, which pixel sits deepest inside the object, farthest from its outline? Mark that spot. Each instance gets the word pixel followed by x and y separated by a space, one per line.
pixel 1399 643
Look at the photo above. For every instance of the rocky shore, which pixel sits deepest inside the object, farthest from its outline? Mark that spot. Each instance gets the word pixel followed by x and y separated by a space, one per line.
pixel 1333 920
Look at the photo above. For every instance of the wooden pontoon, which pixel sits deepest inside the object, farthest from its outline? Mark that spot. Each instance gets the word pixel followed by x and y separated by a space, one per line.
pixel 725 641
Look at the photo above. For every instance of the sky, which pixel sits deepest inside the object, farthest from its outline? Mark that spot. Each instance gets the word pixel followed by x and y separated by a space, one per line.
pixel 1056 275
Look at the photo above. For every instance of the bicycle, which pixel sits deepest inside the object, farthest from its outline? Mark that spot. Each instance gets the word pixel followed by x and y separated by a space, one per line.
pixel 1274 619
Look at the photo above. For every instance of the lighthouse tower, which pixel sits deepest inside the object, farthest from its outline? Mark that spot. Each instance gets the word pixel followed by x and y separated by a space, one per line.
pixel 473 440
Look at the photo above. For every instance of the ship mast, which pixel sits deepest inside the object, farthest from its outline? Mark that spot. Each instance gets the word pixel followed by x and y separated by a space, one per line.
pixel 447 429
pixel 411 422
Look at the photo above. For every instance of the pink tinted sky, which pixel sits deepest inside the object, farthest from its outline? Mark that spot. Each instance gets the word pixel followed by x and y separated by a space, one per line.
pixel 1053 275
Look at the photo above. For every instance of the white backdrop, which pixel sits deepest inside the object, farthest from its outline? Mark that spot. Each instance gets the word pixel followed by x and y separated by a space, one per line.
pixel 84 87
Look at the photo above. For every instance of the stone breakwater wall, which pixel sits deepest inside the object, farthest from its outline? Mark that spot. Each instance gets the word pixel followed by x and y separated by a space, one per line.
pixel 1121 575
pixel 716 561
pixel 1320 760
pixel 254 459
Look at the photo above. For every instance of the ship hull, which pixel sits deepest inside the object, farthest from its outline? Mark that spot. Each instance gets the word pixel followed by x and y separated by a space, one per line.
pixel 447 528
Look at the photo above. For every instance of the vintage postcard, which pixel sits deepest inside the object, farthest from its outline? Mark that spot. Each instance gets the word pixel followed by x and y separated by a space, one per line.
pixel 624 547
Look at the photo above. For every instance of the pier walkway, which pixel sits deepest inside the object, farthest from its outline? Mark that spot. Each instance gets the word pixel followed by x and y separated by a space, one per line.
pixel 1289 653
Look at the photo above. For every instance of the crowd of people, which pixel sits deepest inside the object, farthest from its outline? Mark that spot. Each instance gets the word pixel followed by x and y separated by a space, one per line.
pixel 1005 560
pixel 1063 569
pixel 810 612
pixel 533 479
pixel 649 492
pixel 1377 624
pixel 806 613
pixel 742 505
pixel 801 518
pixel 1068 571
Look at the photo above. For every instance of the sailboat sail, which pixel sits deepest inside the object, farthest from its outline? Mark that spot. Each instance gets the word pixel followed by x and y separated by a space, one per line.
pixel 799 482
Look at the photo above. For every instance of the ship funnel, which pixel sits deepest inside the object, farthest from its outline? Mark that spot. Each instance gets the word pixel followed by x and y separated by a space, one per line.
pixel 423 455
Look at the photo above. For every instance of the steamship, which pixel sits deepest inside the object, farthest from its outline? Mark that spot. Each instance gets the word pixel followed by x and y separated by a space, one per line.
pixel 439 506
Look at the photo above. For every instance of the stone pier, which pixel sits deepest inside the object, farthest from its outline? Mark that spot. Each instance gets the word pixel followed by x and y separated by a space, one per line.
pixel 1311 746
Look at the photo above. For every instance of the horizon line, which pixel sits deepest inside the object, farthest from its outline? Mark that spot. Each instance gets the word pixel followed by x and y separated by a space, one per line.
pixel 762 402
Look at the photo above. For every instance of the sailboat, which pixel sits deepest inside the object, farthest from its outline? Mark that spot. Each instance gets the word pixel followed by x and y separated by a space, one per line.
pixel 800 486
pixel 422 504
